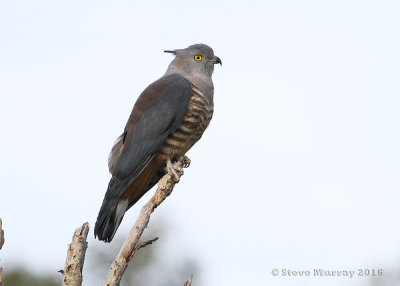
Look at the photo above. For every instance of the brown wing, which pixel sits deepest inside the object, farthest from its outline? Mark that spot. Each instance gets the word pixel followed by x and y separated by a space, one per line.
pixel 158 112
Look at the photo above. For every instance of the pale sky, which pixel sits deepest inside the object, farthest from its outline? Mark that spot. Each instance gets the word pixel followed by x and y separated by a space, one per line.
pixel 299 168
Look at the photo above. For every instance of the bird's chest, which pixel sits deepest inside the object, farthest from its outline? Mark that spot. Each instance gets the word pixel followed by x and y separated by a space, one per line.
pixel 195 122
pixel 198 117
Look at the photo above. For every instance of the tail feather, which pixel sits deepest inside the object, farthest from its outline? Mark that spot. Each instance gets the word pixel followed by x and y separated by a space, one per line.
pixel 111 213
pixel 119 199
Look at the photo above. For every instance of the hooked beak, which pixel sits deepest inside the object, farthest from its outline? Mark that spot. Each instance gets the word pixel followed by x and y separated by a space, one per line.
pixel 217 60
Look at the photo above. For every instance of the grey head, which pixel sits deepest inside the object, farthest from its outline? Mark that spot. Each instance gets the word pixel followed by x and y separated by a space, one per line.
pixel 195 59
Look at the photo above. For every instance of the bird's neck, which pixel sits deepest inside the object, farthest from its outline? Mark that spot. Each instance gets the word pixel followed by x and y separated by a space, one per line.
pixel 202 81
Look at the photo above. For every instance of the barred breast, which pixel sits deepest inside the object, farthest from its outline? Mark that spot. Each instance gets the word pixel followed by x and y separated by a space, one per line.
pixel 196 120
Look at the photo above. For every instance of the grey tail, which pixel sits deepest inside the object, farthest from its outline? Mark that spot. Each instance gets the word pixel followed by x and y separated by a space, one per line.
pixel 111 212
pixel 113 208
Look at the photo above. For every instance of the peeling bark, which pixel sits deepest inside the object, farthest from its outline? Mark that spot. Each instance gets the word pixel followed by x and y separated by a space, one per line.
pixel 72 273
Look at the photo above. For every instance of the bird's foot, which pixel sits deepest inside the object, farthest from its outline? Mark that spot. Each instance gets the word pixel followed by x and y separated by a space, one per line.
pixel 175 171
pixel 184 159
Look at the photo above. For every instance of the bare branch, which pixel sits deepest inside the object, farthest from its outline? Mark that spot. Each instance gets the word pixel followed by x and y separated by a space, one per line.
pixel 143 244
pixel 1 245
pixel 1 234
pixel 72 274
pixel 189 282
pixel 164 189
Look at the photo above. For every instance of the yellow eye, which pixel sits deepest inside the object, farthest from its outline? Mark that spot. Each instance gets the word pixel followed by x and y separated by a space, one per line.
pixel 197 57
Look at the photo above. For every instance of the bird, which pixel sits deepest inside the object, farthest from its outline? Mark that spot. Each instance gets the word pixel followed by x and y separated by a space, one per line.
pixel 168 118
